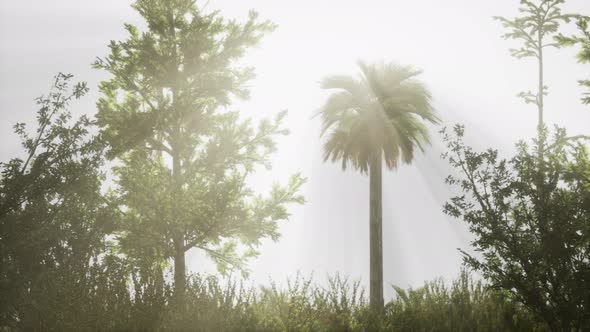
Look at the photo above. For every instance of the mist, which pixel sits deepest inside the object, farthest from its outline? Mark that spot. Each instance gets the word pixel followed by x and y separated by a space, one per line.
pixel 465 64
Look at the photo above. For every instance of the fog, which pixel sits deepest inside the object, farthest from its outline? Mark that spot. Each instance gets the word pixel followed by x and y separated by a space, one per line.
pixel 466 65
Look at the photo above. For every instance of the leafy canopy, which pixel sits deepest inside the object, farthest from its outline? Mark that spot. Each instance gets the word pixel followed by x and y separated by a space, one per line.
pixel 186 159
pixel 540 19
pixel 53 217
pixel 532 238
pixel 378 113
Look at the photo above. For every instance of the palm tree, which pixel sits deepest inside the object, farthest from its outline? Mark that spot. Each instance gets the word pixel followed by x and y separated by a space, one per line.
pixel 378 116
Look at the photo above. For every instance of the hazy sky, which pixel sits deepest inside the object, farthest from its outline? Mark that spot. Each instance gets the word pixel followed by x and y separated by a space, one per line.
pixel 466 65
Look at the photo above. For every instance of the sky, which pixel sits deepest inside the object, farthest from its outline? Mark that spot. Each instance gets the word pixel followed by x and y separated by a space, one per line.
pixel 466 64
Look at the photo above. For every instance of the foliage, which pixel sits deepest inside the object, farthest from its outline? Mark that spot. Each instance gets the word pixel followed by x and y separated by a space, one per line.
pixel 75 259
pixel 584 54
pixel 340 305
pixel 186 161
pixel 173 76
pixel 377 114
pixel 541 20
pixel 53 218
pixel 530 224
pixel 467 305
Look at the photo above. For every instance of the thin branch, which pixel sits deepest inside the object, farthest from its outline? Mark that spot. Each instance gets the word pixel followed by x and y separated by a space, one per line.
pixel 566 139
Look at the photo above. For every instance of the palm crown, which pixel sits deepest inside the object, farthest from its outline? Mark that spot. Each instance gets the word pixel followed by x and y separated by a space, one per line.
pixel 379 114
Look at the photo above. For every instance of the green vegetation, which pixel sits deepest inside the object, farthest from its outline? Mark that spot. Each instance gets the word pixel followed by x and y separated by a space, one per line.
pixel 532 241
pixel 584 54
pixel 212 305
pixel 53 218
pixel 539 22
pixel 165 101
pixel 80 251
pixel 530 213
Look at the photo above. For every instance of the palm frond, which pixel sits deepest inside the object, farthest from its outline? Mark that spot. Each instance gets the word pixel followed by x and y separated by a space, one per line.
pixel 380 114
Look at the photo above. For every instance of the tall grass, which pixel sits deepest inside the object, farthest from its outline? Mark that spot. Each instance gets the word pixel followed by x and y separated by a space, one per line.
pixel 464 305
pixel 113 302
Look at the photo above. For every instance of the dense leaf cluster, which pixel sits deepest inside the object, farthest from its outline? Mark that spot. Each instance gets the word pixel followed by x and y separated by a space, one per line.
pixel 53 218
pixel 584 54
pixel 185 159
pixel 531 224
pixel 379 115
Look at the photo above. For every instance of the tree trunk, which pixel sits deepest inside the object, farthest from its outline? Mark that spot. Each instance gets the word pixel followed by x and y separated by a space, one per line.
pixel 178 234
pixel 179 271
pixel 376 235
pixel 540 101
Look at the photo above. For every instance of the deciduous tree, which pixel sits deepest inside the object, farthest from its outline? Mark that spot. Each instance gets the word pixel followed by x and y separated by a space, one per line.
pixel 186 160
pixel 532 243
pixel 53 217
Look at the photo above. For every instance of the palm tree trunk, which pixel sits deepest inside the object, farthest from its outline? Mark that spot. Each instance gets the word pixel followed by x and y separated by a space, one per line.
pixel 376 235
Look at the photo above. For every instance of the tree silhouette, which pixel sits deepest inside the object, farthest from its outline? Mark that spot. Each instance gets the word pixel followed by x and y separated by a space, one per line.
pixel 535 29
pixel 370 119
pixel 528 214
pixel 53 217
pixel 532 243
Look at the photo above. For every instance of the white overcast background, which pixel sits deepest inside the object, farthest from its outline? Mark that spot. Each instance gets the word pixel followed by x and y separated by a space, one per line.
pixel 466 65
